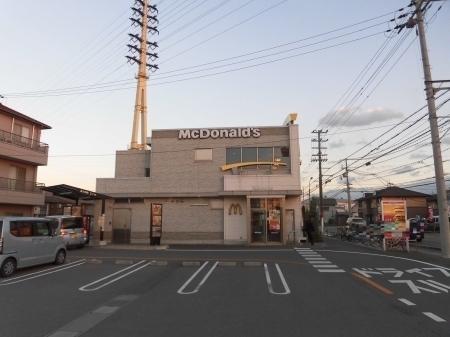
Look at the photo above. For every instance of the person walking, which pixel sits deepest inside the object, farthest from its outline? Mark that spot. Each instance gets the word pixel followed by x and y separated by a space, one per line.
pixel 308 227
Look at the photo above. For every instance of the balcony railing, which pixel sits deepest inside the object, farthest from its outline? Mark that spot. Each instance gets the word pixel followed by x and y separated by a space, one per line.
pixel 11 138
pixel 20 185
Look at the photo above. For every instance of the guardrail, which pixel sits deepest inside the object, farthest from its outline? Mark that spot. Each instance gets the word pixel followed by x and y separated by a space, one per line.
pixel 11 138
pixel 20 185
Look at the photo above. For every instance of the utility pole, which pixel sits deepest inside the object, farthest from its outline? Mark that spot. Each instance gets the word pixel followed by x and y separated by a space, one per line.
pixel 435 139
pixel 144 16
pixel 349 200
pixel 320 157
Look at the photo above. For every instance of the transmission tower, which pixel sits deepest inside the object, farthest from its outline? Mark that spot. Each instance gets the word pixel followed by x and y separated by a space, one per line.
pixel 145 17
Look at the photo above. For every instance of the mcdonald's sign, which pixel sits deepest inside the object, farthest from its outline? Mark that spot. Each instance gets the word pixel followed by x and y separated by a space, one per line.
pixel 235 208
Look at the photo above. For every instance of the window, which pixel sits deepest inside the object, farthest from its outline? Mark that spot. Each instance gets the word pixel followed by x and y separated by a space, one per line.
pixel 265 154
pixel 41 228
pixel 72 223
pixel 233 155
pixel 147 171
pixel 281 154
pixel 21 228
pixel 203 154
pixel 249 154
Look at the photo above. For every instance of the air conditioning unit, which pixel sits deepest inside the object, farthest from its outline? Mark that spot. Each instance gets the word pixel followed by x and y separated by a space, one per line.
pixel 36 210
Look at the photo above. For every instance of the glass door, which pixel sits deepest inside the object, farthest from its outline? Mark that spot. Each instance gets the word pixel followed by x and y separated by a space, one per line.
pixel 258 225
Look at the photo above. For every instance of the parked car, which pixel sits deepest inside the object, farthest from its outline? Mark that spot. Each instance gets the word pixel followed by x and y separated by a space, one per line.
pixel 71 230
pixel 26 241
pixel 357 224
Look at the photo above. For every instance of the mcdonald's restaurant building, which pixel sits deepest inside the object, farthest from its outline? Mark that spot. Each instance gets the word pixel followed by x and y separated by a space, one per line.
pixel 205 186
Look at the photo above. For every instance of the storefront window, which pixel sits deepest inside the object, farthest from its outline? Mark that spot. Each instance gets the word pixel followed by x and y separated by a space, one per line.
pixel 265 154
pixel 257 203
pixel 249 154
pixel 266 222
pixel 233 155
pixel 281 153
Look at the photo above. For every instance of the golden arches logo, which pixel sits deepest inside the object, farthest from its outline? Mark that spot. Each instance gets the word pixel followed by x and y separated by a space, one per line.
pixel 235 208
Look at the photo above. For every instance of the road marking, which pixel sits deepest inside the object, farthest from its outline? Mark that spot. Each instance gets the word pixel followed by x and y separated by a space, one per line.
pixel 325 266
pixel 383 255
pixel 40 271
pixel 415 289
pixel 405 301
pixel 320 262
pixel 373 284
pixel 314 258
pixel 434 317
pixel 137 266
pixel 181 290
pixel 283 281
pixel 7 282
pixel 437 285
pixel 331 270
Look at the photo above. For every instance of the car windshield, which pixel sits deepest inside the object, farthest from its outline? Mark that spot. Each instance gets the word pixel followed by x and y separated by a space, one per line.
pixel 72 223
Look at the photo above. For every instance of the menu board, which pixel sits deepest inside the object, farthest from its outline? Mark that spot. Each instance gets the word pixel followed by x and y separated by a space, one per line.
pixel 156 223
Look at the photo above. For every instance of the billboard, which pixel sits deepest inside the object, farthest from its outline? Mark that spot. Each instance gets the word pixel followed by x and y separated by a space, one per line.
pixel 394 211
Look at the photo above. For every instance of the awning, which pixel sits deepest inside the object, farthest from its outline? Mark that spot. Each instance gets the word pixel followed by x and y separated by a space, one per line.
pixel 74 193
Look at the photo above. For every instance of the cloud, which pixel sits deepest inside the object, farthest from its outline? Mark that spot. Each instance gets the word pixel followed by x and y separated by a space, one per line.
pixel 404 169
pixel 336 144
pixel 354 117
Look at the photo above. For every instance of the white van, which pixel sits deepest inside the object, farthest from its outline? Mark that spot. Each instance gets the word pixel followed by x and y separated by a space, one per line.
pixel 26 241
pixel 71 229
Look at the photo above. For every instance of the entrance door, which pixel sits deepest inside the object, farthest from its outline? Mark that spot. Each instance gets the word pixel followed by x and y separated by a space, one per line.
pixel 121 225
pixel 258 225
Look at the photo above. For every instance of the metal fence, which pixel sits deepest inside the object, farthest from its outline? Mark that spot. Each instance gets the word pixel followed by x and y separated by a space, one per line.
pixel 20 185
pixel 11 138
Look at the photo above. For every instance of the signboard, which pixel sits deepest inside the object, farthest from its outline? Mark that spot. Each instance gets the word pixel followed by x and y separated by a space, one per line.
pixel 219 133
pixel 394 211
pixel 156 224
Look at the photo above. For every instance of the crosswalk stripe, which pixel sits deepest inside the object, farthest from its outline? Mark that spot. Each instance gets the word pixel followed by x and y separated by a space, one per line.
pixel 325 266
pixel 331 270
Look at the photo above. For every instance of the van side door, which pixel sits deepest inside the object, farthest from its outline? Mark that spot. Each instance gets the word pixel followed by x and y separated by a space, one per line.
pixel 21 242
pixel 47 242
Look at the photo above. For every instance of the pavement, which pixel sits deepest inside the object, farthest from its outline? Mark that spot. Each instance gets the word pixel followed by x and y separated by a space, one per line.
pixel 329 289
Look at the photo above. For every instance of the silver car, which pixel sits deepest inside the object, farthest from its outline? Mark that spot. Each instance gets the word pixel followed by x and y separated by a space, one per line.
pixel 71 229
pixel 26 241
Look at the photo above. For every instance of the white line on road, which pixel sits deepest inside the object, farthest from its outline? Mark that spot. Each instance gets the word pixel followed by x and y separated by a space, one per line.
pixel 383 255
pixel 283 281
pixel 136 267
pixel 40 271
pixel 315 258
pixel 434 317
pixel 407 302
pixel 41 274
pixel 325 266
pixel 181 290
pixel 320 262
pixel 331 270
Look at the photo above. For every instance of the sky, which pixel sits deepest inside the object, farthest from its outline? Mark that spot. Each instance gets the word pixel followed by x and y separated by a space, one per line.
pixel 49 46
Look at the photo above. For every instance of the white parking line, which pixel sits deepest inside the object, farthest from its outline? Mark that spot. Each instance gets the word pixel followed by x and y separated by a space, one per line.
pixel 434 317
pixel 407 302
pixel 40 271
pixel 20 279
pixel 208 274
pixel 283 281
pixel 135 267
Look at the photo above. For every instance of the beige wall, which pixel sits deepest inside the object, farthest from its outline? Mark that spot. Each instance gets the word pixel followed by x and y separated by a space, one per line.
pixel 6 125
pixel 131 163
pixel 235 225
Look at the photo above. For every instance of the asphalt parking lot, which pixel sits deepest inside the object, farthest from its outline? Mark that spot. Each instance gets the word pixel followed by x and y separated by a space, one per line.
pixel 333 289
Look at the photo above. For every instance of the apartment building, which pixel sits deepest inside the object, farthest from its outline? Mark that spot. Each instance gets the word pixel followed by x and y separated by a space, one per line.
pixel 21 153
pixel 236 185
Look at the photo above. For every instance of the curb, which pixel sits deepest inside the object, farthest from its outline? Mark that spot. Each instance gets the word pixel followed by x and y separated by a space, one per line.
pixel 252 264
pixel 227 264
pixel 190 263
pixel 122 262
